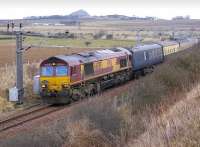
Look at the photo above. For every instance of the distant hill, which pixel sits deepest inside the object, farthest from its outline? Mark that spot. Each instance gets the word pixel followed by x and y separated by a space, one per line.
pixel 80 14
pixel 74 15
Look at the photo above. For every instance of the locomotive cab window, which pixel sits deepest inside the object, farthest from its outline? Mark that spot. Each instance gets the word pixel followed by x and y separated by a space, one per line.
pixel 123 63
pixel 47 71
pixel 89 69
pixel 61 70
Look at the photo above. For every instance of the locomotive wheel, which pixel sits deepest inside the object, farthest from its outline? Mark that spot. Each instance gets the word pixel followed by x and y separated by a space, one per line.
pixel 75 95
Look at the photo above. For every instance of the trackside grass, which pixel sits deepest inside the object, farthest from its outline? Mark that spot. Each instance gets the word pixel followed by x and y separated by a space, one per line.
pixel 8 78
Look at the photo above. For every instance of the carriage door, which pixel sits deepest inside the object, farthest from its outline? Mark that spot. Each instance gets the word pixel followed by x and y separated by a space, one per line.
pixel 75 73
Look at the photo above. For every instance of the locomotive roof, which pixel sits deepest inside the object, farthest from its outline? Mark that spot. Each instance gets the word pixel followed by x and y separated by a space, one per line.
pixel 86 57
pixel 167 43
pixel 146 47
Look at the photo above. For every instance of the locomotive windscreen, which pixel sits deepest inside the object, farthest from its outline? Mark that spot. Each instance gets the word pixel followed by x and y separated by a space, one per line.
pixel 54 71
pixel 47 71
pixel 61 70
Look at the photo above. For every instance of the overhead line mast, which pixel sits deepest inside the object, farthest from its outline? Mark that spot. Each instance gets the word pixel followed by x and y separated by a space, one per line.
pixel 19 67
pixel 19 62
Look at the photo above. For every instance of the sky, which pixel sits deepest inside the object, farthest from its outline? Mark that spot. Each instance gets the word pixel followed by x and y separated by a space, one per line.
pixel 17 9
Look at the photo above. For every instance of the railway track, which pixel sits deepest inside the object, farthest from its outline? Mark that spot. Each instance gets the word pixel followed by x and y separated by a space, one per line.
pixel 29 115
pixel 34 112
pixel 38 111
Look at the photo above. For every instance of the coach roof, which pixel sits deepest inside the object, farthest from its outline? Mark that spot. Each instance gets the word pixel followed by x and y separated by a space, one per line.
pixel 146 47
pixel 167 43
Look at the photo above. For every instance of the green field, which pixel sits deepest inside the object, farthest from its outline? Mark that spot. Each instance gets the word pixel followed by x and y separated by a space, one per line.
pixel 79 43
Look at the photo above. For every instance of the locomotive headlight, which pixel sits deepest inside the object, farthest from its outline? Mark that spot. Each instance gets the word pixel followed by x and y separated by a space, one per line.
pixel 44 86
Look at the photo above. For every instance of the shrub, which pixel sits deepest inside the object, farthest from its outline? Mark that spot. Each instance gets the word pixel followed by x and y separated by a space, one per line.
pixel 80 134
pixel 103 115
pixel 99 35
pixel 87 43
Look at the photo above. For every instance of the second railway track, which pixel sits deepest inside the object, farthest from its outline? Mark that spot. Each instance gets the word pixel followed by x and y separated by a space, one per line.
pixel 27 116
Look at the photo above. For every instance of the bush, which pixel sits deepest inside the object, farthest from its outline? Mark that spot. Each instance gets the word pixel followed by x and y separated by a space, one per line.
pixel 87 43
pixel 99 35
pixel 80 134
pixel 103 115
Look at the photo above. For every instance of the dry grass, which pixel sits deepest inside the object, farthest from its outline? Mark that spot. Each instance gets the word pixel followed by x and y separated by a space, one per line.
pixel 8 78
pixel 5 105
pixel 80 134
pixel 179 126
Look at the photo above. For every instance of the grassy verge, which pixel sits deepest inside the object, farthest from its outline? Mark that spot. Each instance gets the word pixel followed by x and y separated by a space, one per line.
pixel 5 105
pixel 8 78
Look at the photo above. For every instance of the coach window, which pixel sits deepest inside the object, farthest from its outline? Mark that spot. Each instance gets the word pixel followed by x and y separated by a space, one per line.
pixel 145 56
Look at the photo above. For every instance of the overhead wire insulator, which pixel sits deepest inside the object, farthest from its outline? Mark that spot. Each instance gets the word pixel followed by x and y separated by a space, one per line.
pixel 8 26
pixel 20 26
pixel 13 25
